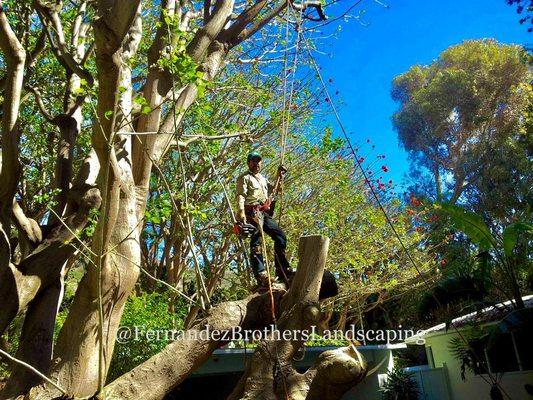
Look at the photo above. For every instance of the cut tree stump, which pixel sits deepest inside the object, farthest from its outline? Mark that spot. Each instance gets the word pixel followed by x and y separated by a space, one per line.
pixel 270 374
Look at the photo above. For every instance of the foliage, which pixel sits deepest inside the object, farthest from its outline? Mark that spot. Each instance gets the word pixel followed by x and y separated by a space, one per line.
pixel 460 289
pixel 496 248
pixel 148 312
pixel 465 122
pixel 471 224
pixel 9 343
pixel 317 340
pixel 464 348
pixel 324 195
pixel 400 386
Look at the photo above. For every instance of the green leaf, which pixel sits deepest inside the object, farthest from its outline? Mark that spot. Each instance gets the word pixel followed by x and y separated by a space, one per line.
pixel 140 100
pixel 471 224
pixel 108 114
pixel 510 235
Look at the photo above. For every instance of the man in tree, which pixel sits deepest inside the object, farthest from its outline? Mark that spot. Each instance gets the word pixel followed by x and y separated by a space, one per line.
pixel 254 202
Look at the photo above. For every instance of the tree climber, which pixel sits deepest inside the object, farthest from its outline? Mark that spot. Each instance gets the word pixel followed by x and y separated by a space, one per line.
pixel 254 198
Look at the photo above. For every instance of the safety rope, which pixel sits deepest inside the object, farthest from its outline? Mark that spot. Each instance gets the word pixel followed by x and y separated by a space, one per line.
pixel 259 222
pixel 287 103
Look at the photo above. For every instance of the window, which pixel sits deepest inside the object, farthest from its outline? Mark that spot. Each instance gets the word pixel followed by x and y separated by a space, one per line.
pixel 511 351
pixel 501 354
pixel 498 353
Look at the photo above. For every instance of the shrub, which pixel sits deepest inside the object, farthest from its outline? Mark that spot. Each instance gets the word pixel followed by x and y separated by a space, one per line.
pixel 148 312
pixel 400 386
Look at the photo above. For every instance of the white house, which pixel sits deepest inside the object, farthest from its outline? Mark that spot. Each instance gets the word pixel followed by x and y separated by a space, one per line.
pixel 506 358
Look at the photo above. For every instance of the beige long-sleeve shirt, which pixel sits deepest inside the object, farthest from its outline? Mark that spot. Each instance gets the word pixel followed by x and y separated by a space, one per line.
pixel 252 189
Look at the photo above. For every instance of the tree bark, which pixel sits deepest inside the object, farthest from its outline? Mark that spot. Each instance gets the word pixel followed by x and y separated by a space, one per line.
pixel 15 58
pixel 300 311
pixel 334 373
pixel 19 284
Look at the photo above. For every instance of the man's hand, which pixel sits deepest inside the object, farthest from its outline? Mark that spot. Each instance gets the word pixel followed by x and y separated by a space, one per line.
pixel 241 216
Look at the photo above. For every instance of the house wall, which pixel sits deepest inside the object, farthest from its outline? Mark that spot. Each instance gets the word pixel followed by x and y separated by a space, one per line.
pixel 474 387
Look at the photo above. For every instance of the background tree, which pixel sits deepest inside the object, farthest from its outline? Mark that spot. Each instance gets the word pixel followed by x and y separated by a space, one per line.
pixel 465 122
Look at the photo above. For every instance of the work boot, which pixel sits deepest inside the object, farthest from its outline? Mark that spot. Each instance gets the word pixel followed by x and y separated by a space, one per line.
pixel 262 282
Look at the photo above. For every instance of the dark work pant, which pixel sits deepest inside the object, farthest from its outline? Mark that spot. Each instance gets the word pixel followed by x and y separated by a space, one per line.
pixel 272 229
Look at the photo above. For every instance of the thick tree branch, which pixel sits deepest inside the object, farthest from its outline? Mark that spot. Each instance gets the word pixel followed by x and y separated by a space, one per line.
pixel 5 250
pixel 333 374
pixel 15 57
pixel 54 30
pixel 35 342
pixel 193 349
pixel 236 34
pixel 299 312
pixel 20 284
pixel 29 229
pixel 207 34
pixel 118 16
pixel 246 18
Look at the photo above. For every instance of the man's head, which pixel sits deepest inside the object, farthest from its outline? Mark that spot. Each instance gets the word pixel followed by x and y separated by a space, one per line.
pixel 255 162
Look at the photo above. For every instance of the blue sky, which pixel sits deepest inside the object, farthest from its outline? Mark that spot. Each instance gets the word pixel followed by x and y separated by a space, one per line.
pixel 363 60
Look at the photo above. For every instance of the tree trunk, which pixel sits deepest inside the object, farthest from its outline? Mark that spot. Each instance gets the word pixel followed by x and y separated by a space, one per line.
pixel 86 341
pixel 76 356
pixel 270 374
pixel 35 343
pixel 69 128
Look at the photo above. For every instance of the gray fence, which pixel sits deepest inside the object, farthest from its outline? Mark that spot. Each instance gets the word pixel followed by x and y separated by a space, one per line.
pixel 432 382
